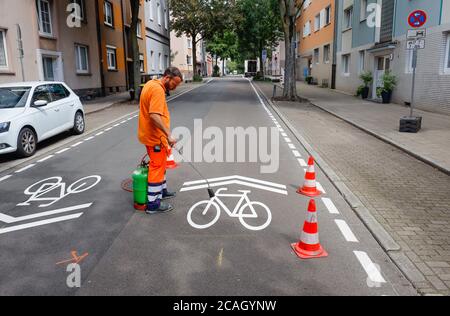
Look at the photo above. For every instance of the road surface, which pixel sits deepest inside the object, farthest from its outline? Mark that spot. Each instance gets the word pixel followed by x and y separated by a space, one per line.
pixel 130 253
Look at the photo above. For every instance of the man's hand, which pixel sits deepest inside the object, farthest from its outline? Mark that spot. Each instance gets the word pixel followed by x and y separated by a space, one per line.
pixel 172 141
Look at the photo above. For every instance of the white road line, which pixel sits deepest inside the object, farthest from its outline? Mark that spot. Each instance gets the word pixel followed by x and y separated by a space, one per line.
pixel 346 231
pixel 320 188
pixel 287 140
pixel 129 119
pixel 281 130
pixel 108 129
pixel 98 134
pixel 40 223
pixel 370 268
pixel 296 154
pixel 46 158
pixel 284 134
pixel 243 183
pixel 89 138
pixel 302 163
pixel 26 168
pixel 117 125
pixel 330 206
pixel 62 151
pixel 77 144
pixel 123 122
pixel 5 178
pixel 281 186
pixel 292 146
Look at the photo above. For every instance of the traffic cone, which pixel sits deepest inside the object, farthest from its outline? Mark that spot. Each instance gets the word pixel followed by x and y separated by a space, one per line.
pixel 309 246
pixel 310 186
pixel 171 164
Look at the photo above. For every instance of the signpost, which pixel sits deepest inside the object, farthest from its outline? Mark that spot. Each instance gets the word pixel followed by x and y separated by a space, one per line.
pixel 415 41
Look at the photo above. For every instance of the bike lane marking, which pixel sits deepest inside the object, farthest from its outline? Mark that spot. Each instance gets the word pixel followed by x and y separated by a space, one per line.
pixel 25 168
pixel 346 231
pixel 40 223
pixel 5 178
pixel 62 151
pixel 46 158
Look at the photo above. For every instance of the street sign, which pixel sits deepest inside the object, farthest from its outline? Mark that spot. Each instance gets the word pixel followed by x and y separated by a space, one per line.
pixel 417 34
pixel 415 44
pixel 417 18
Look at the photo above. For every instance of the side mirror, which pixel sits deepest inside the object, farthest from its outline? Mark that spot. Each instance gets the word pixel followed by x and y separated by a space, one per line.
pixel 40 103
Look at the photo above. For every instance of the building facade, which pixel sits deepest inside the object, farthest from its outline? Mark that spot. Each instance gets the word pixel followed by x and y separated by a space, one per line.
pixel 157 36
pixel 364 45
pixel 45 42
pixel 315 31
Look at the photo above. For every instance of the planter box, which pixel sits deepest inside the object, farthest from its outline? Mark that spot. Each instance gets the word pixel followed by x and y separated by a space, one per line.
pixel 410 124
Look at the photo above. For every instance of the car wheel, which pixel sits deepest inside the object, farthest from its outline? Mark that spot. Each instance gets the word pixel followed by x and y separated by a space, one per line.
pixel 79 124
pixel 26 142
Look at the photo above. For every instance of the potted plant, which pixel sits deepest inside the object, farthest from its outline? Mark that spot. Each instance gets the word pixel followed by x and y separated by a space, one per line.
pixel 367 78
pixel 389 83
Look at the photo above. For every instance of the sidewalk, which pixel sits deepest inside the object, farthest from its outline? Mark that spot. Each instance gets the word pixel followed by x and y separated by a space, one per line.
pixel 391 191
pixel 431 144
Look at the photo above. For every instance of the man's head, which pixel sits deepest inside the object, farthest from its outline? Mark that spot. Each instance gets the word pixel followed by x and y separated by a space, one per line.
pixel 172 78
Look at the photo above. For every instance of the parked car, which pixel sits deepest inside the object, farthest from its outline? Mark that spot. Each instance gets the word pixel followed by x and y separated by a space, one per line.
pixel 31 112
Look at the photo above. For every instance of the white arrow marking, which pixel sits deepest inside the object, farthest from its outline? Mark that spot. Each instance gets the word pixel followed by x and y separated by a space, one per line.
pixel 248 184
pixel 238 178
pixel 40 223
pixel 9 219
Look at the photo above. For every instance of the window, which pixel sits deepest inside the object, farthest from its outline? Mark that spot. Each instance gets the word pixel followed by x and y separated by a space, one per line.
pixel 160 62
pixel 141 63
pixel 348 17
pixel 189 41
pixel 45 18
pixel 3 50
pixel 307 4
pixel 139 29
pixel 316 56
pixel 328 15
pixel 326 54
pixel 111 57
pixel 58 92
pixel 363 14
pixel 307 29
pixel 346 64
pixel 41 93
pixel 109 15
pixel 166 19
pixel 49 69
pixel 152 63
pixel 82 9
pixel 166 61
pixel 150 6
pixel 317 23
pixel 447 55
pixel 158 12
pixel 81 55
pixel 189 60
pixel 362 61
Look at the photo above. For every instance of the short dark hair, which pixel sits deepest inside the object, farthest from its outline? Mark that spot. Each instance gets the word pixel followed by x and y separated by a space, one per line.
pixel 173 72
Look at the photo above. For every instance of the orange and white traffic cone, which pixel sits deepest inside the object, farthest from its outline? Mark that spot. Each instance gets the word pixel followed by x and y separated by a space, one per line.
pixel 171 164
pixel 310 186
pixel 309 246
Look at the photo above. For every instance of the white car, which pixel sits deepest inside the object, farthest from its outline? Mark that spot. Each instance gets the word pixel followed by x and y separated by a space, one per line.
pixel 31 112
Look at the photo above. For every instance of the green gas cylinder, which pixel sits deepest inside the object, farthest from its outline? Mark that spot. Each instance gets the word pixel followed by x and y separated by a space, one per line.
pixel 140 187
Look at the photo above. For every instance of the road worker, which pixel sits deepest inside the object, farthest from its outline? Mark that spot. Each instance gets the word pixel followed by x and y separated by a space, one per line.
pixel 154 132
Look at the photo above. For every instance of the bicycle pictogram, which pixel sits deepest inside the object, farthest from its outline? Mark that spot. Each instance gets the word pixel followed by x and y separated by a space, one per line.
pixel 245 210
pixel 53 190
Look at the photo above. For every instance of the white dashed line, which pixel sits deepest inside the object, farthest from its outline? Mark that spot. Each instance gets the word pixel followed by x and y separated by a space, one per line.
pixel 291 146
pixel 98 134
pixel 62 151
pixel 123 122
pixel 89 138
pixel 5 178
pixel 296 154
pixel 320 188
pixel 346 231
pixel 26 168
pixel 77 144
pixel 302 163
pixel 284 134
pixel 108 129
pixel 330 206
pixel 287 140
pixel 46 158
pixel 117 125
pixel 370 268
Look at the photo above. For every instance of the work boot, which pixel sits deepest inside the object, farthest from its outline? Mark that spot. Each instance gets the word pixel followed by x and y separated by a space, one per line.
pixel 163 208
pixel 168 195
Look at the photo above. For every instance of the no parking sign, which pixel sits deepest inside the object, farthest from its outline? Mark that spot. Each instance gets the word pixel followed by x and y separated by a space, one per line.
pixel 417 18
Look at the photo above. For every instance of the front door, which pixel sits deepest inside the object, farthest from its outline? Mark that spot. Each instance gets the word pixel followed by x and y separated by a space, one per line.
pixel 383 65
pixel 49 68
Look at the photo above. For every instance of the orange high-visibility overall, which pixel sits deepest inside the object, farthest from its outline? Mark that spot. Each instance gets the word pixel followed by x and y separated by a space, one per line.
pixel 153 101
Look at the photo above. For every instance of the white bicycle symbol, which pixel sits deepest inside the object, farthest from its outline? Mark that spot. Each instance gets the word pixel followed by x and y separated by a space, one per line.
pixel 203 207
pixel 39 190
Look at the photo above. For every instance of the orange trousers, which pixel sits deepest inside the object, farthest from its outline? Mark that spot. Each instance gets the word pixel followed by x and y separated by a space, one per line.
pixel 157 185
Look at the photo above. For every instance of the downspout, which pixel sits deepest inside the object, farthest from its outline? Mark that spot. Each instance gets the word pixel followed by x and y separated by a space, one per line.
pixel 100 50
pixel 335 42
pixel 125 47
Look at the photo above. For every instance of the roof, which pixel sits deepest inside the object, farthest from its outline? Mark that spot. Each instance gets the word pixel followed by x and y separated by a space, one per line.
pixel 27 84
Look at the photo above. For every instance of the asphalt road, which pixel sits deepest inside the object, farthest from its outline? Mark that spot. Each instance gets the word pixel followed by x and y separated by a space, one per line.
pixel 130 253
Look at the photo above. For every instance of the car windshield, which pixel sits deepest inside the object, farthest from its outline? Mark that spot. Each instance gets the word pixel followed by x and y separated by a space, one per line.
pixel 14 97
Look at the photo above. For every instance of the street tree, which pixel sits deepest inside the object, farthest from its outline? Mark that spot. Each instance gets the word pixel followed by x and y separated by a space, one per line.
pixel 223 46
pixel 136 77
pixel 290 10
pixel 199 20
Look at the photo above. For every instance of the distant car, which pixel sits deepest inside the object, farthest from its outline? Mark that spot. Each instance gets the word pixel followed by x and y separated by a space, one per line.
pixel 31 112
